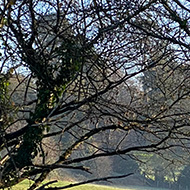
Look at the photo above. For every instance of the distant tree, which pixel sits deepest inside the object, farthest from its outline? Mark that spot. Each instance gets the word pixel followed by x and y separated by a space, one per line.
pixel 184 178
pixel 67 69
pixel 125 164
pixel 164 87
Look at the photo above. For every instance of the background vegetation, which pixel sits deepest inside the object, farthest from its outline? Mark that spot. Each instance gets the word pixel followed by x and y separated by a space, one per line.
pixel 95 90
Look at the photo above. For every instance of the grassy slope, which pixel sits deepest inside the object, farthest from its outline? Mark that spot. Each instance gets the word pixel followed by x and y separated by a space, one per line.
pixel 25 184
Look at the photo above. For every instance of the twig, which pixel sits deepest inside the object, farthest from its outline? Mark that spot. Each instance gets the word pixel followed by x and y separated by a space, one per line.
pixel 43 186
pixel 89 181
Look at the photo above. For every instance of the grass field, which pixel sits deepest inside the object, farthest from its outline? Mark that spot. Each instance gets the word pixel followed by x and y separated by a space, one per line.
pixel 25 184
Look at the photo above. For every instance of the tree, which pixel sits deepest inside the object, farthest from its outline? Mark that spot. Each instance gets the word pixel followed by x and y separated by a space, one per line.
pixel 183 180
pixel 163 87
pixel 75 62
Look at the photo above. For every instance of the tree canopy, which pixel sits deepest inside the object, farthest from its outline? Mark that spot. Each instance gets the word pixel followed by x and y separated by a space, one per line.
pixel 82 80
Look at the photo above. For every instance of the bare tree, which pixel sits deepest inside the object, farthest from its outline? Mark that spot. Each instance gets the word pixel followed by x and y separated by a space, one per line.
pixel 74 63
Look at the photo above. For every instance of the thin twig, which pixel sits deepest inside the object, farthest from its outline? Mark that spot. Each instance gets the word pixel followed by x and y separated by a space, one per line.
pixel 89 181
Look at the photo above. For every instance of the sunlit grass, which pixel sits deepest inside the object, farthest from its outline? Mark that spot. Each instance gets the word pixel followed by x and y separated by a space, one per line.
pixel 25 185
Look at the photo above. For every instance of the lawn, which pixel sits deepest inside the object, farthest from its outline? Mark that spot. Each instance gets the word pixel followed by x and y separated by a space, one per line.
pixel 25 184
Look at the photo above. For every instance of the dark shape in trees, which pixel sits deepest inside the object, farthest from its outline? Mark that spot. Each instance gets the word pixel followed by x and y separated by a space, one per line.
pixel 183 180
